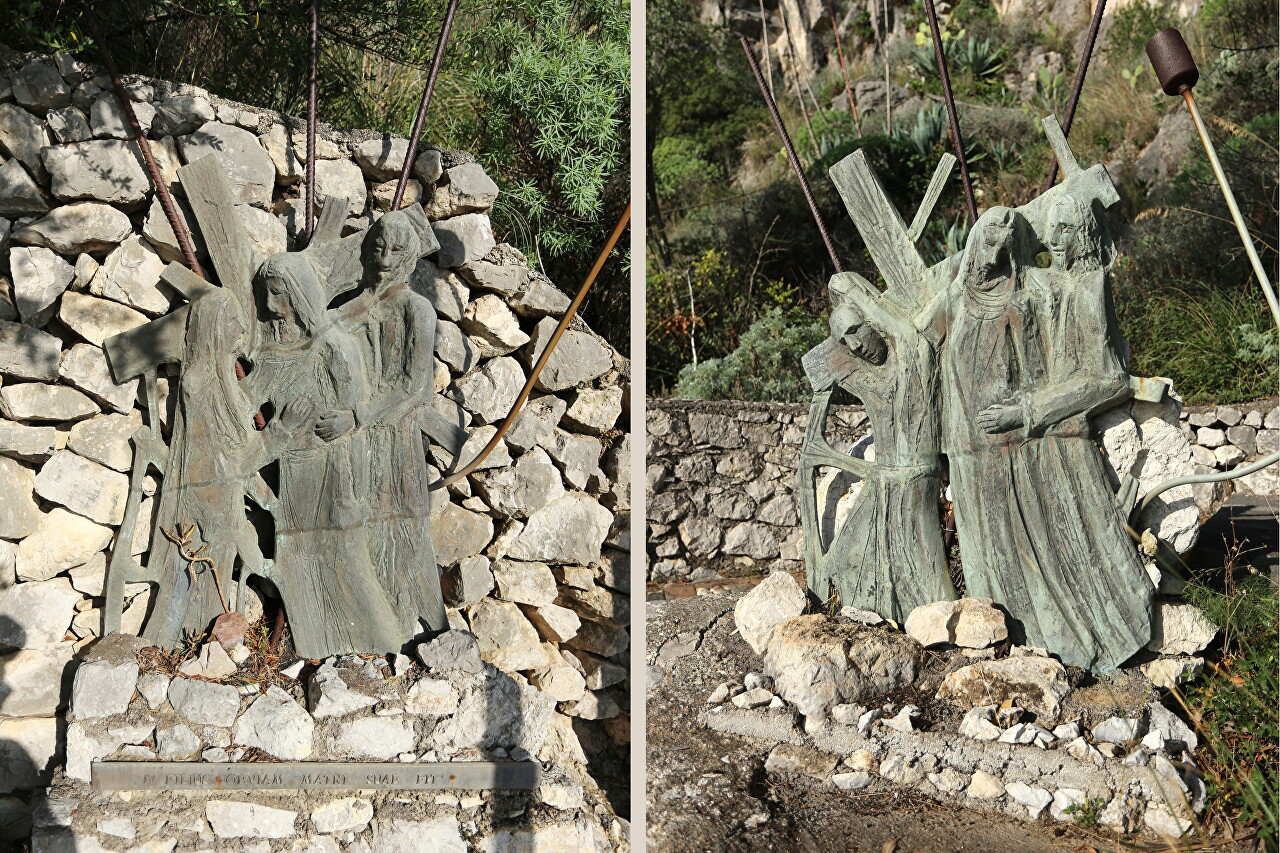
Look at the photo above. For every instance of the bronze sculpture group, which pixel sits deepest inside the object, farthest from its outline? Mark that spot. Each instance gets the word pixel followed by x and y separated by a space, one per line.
pixel 987 367
pixel 336 484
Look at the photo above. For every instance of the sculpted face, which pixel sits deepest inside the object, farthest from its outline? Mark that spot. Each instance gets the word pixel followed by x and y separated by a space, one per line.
pixel 1065 228
pixel 858 335
pixel 390 252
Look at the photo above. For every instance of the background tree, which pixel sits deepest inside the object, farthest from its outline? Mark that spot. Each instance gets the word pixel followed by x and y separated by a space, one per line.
pixel 538 91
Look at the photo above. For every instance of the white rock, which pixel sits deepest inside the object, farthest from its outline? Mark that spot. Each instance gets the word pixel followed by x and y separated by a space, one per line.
pixel 492 326
pixel 855 781
pixel 35 615
pixel 19 195
pixel 977 724
pixel 19 514
pixel 1065 798
pixel 1037 684
pixel 463 239
pixel 436 697
pixel 62 541
pixel 277 725
pixel 24 137
pixel 452 650
pixel 467 190
pixel 525 583
pixel 1160 821
pixel 87 226
pixel 106 438
pixel 341 179
pixel 1170 672
pixel 106 170
pixel 131 276
pixel 570 529
pixel 84 487
pixel 96 319
pixel 350 814
pixel 1127 430
pixel 577 359
pixel 439 835
pixel 103 688
pixel 904 720
pixel 506 638
pixel 34 444
pixel 28 749
pixel 985 786
pixel 773 601
pixel 35 401
pixel 1081 750
pixel 594 410
pixel 1035 799
pixel 42 676
pixel 1180 629
pixel 1117 730
pixel 154 688
pixel 247 166
pixel 230 819
pixel 969 623
pixel 205 703
pixel 1176 733
pixel 490 391
pixel 85 367
pixel 381 738
pixel 39 278
pixel 329 696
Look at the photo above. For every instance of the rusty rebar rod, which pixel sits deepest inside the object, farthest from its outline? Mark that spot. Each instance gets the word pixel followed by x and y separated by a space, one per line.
pixel 1077 86
pixel 542 359
pixel 791 154
pixel 418 119
pixel 949 101
pixel 313 73
pixel 153 170
pixel 844 69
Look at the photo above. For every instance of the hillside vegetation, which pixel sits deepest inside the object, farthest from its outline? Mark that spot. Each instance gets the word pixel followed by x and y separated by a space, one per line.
pixel 732 247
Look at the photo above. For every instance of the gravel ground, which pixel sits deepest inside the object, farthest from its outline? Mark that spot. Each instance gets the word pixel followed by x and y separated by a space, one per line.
pixel 709 791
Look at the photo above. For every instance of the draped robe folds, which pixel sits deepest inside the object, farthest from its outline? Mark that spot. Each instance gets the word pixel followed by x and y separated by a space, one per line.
pixel 888 556
pixel 397 336
pixel 1039 532
pixel 322 566
pixel 205 484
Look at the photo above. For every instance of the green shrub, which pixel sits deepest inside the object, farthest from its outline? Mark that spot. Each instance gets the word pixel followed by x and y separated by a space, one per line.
pixel 765 367
pixel 1133 25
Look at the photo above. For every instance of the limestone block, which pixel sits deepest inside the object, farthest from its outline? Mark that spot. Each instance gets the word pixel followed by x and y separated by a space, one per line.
pixel 96 319
pixel 84 487
pixel 131 276
pixel 19 194
pixel 105 170
pixel 86 226
pixel 39 278
pixel 246 164
pixel 577 359
pixel 463 239
pixel 36 615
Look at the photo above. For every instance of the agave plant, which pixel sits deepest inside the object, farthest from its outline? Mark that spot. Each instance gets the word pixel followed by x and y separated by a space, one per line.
pixel 983 61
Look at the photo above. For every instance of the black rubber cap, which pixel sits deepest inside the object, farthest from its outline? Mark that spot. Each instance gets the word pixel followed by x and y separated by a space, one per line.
pixel 1172 61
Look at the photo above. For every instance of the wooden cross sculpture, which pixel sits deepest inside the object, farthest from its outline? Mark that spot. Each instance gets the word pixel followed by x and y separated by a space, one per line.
pixel 888 350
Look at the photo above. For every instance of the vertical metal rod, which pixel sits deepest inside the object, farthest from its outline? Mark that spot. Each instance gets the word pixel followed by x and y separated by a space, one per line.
pixel 422 107
pixel 950 102
pixel 1231 204
pixel 1094 23
pixel 883 33
pixel 791 153
pixel 157 180
pixel 844 69
pixel 309 223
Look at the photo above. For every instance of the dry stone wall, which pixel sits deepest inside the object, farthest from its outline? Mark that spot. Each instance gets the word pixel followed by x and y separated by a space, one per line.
pixel 533 547
pixel 721 476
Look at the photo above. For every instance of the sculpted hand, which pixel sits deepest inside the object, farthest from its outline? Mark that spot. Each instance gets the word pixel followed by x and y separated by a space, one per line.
pixel 297 413
pixel 1000 418
pixel 335 424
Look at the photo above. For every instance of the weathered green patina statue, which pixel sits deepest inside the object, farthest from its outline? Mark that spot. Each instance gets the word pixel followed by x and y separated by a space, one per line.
pixel 348 395
pixel 1024 356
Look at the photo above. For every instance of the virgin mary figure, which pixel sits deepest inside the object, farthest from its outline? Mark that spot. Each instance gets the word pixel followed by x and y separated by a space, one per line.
pixel 1026 359
pixel 334 598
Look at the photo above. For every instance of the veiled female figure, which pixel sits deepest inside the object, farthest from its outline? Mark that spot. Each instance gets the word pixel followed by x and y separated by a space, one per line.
pixel 396 329
pixel 323 569
pixel 212 456
pixel 1027 358
pixel 887 556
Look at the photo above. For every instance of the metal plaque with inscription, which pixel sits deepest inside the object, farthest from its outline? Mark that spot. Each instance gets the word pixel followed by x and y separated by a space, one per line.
pixel 314 775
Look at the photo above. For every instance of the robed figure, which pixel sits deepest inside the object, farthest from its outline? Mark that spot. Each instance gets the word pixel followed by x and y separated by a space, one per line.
pixel 1026 358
